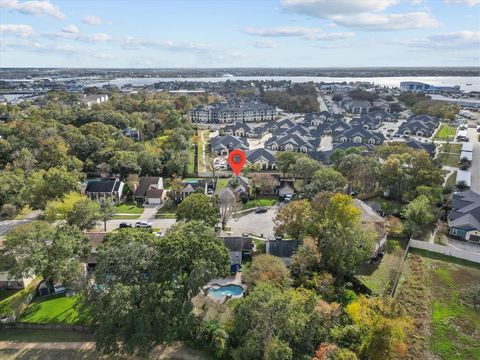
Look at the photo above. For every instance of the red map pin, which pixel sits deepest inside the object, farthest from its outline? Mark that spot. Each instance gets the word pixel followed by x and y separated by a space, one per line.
pixel 236 160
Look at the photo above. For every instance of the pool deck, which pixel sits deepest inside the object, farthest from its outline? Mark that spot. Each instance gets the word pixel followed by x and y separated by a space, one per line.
pixel 235 280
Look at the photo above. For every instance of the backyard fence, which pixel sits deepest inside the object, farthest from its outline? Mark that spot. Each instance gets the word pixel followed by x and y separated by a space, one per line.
pixel 446 250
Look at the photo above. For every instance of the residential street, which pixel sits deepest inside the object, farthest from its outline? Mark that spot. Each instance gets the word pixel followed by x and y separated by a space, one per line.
pixel 162 224
pixel 7 225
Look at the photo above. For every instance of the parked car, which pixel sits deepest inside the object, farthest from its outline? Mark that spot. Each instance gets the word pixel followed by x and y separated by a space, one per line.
pixel 210 191
pixel 159 234
pixel 261 210
pixel 288 197
pixel 59 289
pixel 125 225
pixel 143 224
pixel 478 128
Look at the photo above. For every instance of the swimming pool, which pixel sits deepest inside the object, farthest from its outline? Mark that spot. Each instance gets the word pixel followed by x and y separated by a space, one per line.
pixel 218 291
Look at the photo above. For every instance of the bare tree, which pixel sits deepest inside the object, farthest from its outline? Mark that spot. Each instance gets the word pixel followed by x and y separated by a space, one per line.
pixel 210 166
pixel 228 205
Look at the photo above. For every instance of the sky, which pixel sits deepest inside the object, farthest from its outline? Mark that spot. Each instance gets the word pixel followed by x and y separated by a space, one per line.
pixel 247 33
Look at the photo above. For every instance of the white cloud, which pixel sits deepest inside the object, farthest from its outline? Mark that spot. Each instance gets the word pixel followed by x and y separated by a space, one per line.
pixel 98 37
pixel 453 40
pixel 327 8
pixel 462 2
pixel 131 42
pixel 414 20
pixel 264 44
pixel 71 29
pixel 93 20
pixel 33 7
pixel 284 31
pixel 17 30
pixel 293 31
pixel 364 14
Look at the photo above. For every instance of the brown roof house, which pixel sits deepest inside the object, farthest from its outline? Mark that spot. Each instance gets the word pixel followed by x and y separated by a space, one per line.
pixel 370 220
pixel 150 190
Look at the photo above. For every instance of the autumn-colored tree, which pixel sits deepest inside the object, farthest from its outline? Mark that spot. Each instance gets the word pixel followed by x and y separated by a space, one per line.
pixel 267 268
pixel 292 219
pixel 385 327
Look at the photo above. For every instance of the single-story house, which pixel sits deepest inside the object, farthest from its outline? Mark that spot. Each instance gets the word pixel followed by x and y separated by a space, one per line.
pixel 464 217
pixel 96 239
pixel 150 190
pixel 110 189
pixel 371 220
pixel 239 248
pixel 286 188
pixel 283 249
pixel 222 145
pixel 264 159
pixel 464 178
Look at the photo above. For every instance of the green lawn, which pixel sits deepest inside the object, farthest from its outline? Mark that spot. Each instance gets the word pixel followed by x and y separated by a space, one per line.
pixel 57 309
pixel 259 202
pixel 451 148
pixel 390 207
pixel 379 277
pixel 125 217
pixel 445 132
pixel 9 304
pixel 433 292
pixel 448 159
pixel 221 184
pixel 129 208
pixel 451 180
pixel 167 212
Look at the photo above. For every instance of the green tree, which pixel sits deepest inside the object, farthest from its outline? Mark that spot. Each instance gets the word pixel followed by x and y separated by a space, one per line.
pixel 271 323
pixel 58 209
pixel 305 167
pixel 325 179
pixel 151 281
pixel 293 219
pixel 125 162
pixel 107 210
pixel 54 183
pixel 84 214
pixel 342 243
pixel 198 207
pixel 418 212
pixel 41 249
pixel 267 268
pixel 285 161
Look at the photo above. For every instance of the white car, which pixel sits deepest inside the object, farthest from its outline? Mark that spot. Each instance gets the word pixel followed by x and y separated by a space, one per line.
pixel 143 224
pixel 59 289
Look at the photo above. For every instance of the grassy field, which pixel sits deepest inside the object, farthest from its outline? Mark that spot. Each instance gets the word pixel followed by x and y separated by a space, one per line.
pixel 448 159
pixel 221 184
pixel 390 207
pixel 125 217
pixel 451 148
pixel 270 201
pixel 57 309
pixel 166 212
pixel 445 132
pixel 451 180
pixel 433 291
pixel 379 277
pixel 129 208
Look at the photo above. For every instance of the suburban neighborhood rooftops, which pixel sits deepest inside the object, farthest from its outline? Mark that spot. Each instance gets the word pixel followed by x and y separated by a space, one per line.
pixel 103 186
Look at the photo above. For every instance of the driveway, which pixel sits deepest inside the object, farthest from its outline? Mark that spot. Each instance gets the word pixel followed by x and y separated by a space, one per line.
pixel 464 245
pixel 149 212
pixel 255 223
pixel 475 168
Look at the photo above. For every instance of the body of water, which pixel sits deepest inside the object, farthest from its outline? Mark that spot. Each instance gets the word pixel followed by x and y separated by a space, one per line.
pixel 462 81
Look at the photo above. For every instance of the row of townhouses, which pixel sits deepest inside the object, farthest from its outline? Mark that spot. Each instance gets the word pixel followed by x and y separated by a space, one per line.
pixel 233 110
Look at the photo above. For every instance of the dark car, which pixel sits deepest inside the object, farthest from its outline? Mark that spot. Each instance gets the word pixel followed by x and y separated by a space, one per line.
pixel 125 225
pixel 261 210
